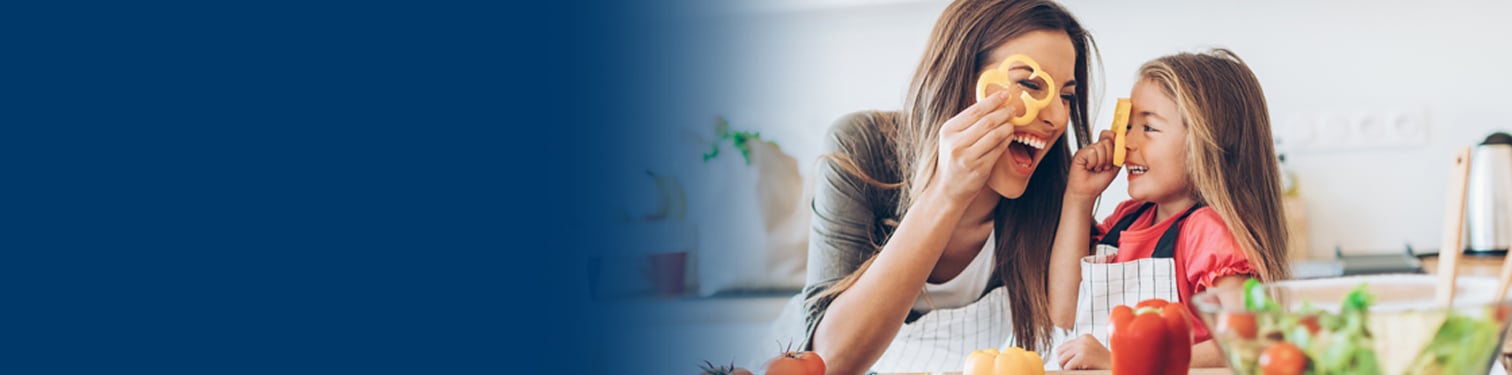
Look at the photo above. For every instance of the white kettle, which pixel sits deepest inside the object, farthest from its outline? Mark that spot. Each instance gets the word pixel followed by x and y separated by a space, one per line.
pixel 1488 199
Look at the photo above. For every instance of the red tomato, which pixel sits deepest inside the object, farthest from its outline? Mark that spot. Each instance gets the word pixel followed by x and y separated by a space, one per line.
pixel 1282 359
pixel 796 363
pixel 1311 323
pixel 1240 323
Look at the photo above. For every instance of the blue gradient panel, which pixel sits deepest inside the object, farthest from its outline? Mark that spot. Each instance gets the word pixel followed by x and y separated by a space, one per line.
pixel 361 187
pixel 311 187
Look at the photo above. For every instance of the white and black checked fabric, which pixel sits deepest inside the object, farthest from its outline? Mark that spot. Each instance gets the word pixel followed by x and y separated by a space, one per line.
pixel 1106 285
pixel 940 340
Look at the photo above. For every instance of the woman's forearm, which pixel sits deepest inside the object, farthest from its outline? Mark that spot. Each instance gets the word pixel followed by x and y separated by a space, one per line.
pixel 1071 244
pixel 861 322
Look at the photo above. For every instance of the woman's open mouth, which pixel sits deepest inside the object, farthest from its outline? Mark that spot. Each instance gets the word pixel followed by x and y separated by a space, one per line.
pixel 1023 151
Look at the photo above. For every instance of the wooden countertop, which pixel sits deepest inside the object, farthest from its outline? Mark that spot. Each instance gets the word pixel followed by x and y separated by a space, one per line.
pixel 1469 265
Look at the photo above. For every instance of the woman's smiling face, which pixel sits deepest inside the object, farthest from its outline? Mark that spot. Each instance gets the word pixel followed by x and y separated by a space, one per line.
pixel 1157 159
pixel 1057 57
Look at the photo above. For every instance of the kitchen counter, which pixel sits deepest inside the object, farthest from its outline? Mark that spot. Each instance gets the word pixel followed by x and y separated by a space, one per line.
pixel 1469 265
pixel 1496 369
pixel 1195 371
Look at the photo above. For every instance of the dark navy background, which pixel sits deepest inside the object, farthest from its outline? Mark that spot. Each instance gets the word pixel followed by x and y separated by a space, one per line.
pixel 308 187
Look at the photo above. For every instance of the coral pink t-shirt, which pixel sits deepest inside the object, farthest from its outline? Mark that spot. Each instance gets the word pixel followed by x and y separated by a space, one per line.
pixel 1205 251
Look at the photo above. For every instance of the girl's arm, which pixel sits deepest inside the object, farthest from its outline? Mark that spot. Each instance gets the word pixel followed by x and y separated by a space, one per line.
pixel 1092 170
pixel 1071 244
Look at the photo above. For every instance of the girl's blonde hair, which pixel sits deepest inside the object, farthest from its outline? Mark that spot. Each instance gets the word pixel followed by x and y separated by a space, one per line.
pixel 1233 165
pixel 943 86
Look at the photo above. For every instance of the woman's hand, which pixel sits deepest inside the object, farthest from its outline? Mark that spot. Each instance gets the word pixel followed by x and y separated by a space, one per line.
pixel 970 144
pixel 1092 169
pixel 1083 353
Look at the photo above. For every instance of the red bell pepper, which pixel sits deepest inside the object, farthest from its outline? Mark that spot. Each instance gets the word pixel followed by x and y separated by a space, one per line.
pixel 1152 338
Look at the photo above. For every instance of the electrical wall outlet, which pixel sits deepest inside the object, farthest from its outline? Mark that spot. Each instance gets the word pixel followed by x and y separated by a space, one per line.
pixel 1354 130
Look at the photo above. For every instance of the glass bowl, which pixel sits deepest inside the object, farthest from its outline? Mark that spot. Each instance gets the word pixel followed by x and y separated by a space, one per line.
pixel 1378 324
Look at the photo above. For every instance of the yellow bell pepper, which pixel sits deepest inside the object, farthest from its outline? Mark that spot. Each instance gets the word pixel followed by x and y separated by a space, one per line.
pixel 999 76
pixel 1014 361
pixel 1120 130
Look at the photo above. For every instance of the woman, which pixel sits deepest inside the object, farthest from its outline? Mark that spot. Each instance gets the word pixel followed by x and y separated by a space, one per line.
pixel 928 239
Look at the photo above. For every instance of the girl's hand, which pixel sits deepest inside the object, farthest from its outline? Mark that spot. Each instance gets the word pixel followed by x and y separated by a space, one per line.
pixel 1092 169
pixel 970 144
pixel 1083 353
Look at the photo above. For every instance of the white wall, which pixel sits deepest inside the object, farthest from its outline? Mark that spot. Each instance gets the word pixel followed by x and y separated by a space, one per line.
pixel 793 67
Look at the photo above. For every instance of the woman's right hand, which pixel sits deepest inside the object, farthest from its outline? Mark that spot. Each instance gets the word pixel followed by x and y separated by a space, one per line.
pixel 970 144
pixel 1092 169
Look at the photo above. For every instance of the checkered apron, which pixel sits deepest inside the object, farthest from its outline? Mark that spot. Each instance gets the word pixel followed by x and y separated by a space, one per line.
pixel 1105 284
pixel 940 340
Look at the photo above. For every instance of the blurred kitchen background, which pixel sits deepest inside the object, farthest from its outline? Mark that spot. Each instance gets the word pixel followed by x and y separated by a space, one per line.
pixel 1368 99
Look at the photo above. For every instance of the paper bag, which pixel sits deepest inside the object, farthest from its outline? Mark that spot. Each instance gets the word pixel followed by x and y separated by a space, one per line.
pixel 753 223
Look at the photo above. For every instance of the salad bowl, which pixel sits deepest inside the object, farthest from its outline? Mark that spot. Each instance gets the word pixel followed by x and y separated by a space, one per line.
pixel 1378 324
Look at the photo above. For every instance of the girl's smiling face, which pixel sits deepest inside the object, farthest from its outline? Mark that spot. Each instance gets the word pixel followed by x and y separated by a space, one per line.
pixel 1157 143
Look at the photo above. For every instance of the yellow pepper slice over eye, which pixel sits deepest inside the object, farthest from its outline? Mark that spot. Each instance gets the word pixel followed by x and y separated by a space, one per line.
pixel 999 76
pixel 1120 130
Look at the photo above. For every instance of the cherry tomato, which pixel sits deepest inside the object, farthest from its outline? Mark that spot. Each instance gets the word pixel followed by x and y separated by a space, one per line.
pixel 1240 323
pixel 1282 359
pixel 1311 323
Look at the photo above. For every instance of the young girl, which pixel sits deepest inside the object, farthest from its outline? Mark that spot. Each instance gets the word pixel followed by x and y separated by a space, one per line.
pixel 1205 209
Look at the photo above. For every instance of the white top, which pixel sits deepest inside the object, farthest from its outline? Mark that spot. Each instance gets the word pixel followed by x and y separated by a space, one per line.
pixel 963 289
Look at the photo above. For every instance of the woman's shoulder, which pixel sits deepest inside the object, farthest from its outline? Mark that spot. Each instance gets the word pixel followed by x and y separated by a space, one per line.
pixel 862 131
pixel 865 139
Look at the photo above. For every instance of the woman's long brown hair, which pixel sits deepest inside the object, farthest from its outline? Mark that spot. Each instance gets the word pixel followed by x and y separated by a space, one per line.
pixel 943 86
pixel 1233 163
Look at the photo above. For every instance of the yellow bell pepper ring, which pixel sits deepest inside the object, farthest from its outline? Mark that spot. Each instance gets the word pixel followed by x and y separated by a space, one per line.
pixel 1013 361
pixel 1120 130
pixel 999 76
